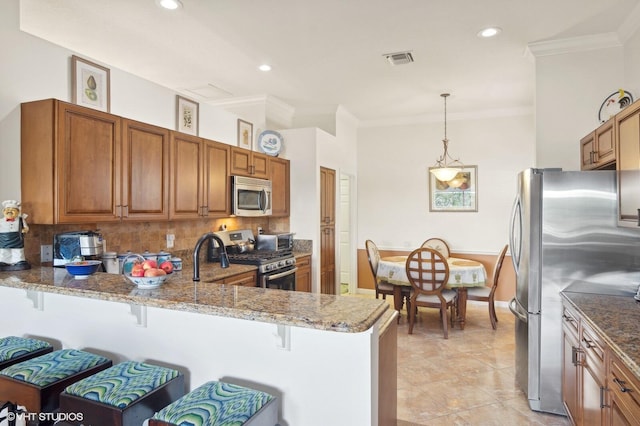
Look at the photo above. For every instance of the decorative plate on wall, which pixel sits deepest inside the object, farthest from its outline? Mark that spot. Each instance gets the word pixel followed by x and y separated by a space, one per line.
pixel 270 142
pixel 613 104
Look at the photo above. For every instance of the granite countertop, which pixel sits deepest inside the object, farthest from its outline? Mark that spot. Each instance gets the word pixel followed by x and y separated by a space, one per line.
pixel 616 319
pixel 180 292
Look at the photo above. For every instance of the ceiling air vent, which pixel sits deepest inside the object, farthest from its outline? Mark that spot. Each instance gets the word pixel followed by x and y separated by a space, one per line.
pixel 399 58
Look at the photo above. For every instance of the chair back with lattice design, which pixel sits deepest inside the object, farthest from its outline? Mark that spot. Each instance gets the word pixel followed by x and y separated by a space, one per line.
pixel 373 255
pixel 427 270
pixel 439 245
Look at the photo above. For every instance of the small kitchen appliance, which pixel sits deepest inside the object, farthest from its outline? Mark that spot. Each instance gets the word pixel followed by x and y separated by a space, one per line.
pixel 251 197
pixel 68 245
pixel 276 268
pixel 276 241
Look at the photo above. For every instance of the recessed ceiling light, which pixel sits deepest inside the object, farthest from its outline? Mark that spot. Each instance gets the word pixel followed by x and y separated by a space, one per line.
pixel 169 4
pixel 264 67
pixel 489 32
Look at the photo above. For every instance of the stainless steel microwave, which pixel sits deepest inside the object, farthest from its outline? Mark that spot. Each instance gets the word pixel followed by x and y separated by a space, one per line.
pixel 251 196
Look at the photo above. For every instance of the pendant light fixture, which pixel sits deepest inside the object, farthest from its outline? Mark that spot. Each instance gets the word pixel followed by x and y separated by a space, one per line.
pixel 446 168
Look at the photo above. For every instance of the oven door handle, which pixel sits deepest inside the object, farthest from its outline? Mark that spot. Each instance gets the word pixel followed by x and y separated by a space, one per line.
pixel 280 275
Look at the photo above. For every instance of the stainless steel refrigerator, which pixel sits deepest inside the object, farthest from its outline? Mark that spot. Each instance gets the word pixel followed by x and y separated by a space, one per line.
pixel 563 236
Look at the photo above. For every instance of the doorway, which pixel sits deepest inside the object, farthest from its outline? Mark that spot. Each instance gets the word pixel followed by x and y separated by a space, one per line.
pixel 348 283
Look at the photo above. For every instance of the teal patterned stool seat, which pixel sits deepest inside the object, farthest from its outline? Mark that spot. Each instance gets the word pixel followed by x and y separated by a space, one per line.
pixel 36 383
pixel 220 404
pixel 125 394
pixel 17 349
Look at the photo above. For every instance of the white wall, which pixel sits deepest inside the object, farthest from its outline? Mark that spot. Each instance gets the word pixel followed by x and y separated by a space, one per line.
pixel 393 162
pixel 35 69
pixel 570 89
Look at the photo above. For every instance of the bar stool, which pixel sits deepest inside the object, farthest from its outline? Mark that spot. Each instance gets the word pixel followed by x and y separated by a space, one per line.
pixel 36 383
pixel 125 394
pixel 17 349
pixel 220 404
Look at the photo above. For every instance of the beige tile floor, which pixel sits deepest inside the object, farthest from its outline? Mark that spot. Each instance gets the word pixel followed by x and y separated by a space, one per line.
pixel 468 379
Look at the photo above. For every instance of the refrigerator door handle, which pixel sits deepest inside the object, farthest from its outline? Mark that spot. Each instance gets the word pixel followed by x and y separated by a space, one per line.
pixel 513 307
pixel 515 241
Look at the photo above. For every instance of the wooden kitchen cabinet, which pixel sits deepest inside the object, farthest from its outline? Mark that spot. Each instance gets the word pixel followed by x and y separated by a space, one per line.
pixel 593 376
pixel 199 178
pixel 598 148
pixel 280 181
pixel 597 388
pixel 246 279
pixel 570 367
pixel 627 127
pixel 249 163
pixel 303 275
pixel 145 172
pixel 624 392
pixel 80 165
pixel 327 231
pixel 70 163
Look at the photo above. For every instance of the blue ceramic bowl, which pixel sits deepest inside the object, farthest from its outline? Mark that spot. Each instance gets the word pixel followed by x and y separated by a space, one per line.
pixel 83 268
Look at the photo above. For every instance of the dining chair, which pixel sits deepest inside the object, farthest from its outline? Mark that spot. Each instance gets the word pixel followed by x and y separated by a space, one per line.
pixel 438 244
pixel 428 272
pixel 488 294
pixel 384 288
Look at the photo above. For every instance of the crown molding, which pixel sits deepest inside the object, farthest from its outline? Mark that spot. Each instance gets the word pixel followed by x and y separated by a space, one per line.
pixel 574 44
pixel 275 109
pixel 630 25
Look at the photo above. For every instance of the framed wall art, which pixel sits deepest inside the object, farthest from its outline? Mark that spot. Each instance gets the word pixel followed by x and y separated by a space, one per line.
pixel 460 194
pixel 90 85
pixel 186 116
pixel 245 134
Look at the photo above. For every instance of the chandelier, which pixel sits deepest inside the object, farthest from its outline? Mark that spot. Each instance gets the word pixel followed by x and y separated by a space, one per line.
pixel 446 167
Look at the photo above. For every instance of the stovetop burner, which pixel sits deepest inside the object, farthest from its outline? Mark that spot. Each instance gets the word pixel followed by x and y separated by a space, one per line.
pixel 258 257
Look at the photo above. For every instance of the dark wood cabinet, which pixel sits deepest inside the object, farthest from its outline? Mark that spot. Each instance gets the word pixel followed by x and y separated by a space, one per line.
pixel 249 163
pixel 570 355
pixel 303 275
pixel 327 231
pixel 80 165
pixel 280 181
pixel 199 176
pixel 245 279
pixel 598 148
pixel 627 125
pixel 145 167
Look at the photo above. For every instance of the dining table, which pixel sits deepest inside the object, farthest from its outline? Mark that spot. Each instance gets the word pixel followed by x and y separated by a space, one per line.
pixel 463 273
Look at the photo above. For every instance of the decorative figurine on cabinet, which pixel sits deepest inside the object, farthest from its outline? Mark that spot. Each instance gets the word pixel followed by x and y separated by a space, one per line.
pixel 12 227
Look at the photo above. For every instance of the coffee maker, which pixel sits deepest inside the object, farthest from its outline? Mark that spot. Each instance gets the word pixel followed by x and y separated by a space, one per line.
pixel 68 245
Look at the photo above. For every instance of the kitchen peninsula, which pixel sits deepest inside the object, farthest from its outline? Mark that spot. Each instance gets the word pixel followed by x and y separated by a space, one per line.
pixel 318 353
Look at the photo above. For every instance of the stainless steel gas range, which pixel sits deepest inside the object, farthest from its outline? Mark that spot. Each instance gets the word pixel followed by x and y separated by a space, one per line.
pixel 276 268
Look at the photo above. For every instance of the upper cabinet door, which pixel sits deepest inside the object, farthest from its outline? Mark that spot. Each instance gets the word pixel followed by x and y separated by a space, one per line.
pixel 217 185
pixel 186 176
pixel 145 177
pixel 280 180
pixel 628 165
pixel 249 163
pixel 88 165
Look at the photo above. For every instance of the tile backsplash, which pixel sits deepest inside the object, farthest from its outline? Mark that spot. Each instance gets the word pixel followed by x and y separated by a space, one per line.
pixel 141 236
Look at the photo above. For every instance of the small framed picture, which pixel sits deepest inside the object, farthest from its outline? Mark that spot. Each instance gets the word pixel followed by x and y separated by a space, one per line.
pixel 90 84
pixel 459 194
pixel 245 134
pixel 186 115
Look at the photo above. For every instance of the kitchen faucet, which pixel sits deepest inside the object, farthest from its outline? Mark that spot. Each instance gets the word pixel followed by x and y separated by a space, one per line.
pixel 224 258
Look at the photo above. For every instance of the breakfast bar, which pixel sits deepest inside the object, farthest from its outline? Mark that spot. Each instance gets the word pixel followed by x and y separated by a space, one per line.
pixel 296 345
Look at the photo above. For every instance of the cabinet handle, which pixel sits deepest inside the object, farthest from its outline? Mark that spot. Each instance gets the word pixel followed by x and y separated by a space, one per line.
pixel 602 404
pixel 574 356
pixel 588 343
pixel 620 384
pixel 126 211
pixel 568 318
pixel 591 157
pixel 595 157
